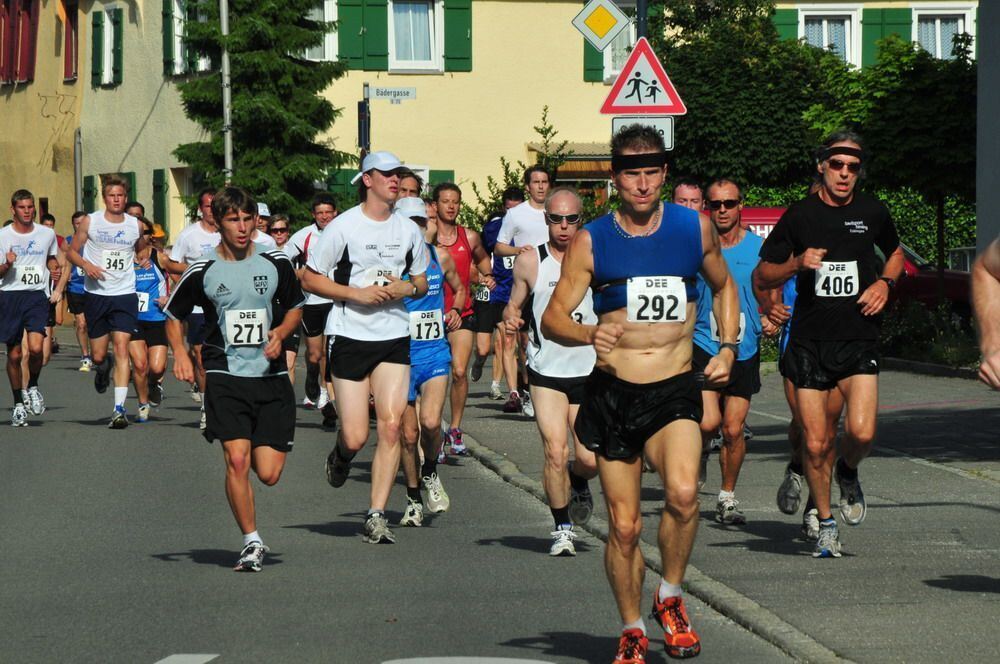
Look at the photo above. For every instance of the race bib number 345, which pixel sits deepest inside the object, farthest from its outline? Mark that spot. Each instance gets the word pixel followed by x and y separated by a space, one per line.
pixel 115 260
pixel 426 325
pixel 656 300
pixel 837 279
pixel 246 327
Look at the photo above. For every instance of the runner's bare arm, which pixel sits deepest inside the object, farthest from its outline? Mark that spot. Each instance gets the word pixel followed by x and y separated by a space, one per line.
pixel 986 303
pixel 773 275
pixel 481 259
pixel 76 246
pixel 575 278
pixel 183 369
pixel 320 284
pixel 525 270
pixel 276 336
pixel 876 296
pixel 452 317
pixel 725 303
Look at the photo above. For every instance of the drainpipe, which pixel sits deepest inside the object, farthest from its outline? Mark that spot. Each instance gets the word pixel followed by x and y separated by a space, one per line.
pixel 78 167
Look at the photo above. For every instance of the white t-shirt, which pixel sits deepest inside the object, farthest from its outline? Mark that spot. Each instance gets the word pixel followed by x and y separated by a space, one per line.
pixel 299 247
pixel 265 240
pixel 111 247
pixel 30 271
pixel 193 243
pixel 523 226
pixel 357 251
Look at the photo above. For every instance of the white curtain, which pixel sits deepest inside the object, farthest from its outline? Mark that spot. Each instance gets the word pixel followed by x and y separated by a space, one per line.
pixel 412 22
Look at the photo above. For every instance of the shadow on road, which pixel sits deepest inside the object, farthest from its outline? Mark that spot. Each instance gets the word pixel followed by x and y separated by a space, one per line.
pixel 777 537
pixel 525 543
pixel 335 528
pixel 217 557
pixel 586 647
pixel 967 583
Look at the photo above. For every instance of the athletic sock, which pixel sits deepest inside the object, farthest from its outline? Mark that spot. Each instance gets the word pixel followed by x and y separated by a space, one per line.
pixel 345 454
pixel 667 589
pixel 17 395
pixel 561 516
pixel 846 472
pixel 32 380
pixel 828 521
pixel 252 537
pixel 796 466
pixel 810 505
pixel 635 624
pixel 726 494
pixel 374 511
pixel 413 493
pixel 430 465
pixel 121 393
pixel 578 483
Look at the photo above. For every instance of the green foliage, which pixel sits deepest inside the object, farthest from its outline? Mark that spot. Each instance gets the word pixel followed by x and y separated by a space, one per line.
pixel 769 349
pixel 277 111
pixel 911 331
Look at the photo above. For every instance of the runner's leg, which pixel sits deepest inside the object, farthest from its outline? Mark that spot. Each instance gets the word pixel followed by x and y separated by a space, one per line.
pixel 389 384
pixel 461 350
pixel 623 564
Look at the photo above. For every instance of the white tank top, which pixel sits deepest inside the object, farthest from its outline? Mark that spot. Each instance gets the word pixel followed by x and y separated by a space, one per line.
pixel 548 357
pixel 111 247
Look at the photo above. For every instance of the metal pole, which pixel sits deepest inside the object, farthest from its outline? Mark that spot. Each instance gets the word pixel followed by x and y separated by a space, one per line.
pixel 364 124
pixel 227 97
pixel 641 11
pixel 78 168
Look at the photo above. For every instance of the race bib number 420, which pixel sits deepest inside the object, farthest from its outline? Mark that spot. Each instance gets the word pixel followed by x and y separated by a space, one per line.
pixel 837 279
pixel 28 275
pixel 426 325
pixel 115 260
pixel 656 300
pixel 246 327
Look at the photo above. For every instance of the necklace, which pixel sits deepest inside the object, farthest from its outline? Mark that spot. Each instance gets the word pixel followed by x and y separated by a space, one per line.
pixel 652 227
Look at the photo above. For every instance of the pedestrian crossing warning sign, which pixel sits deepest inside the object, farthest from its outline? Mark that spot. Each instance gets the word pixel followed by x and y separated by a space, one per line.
pixel 643 86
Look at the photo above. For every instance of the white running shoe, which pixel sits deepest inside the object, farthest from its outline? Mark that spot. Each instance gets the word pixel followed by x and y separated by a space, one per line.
pixel 195 394
pixel 437 499
pixel 143 413
pixel 810 525
pixel 495 392
pixel 36 401
pixel 19 416
pixel 727 512
pixel 251 557
pixel 414 514
pixel 377 531
pixel 324 398
pixel 527 409
pixel 203 424
pixel 308 403
pixel 85 364
pixel 562 543
pixel 790 491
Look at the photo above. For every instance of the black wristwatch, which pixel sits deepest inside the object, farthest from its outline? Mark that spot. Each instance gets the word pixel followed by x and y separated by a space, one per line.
pixel 731 346
pixel 891 282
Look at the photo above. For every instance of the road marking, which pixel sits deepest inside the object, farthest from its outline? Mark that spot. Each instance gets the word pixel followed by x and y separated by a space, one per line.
pixel 187 659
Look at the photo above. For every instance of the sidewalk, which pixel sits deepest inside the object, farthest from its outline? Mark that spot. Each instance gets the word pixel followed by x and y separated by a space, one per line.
pixel 919 579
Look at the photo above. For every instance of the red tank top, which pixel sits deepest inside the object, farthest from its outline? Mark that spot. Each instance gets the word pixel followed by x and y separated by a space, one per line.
pixel 461 253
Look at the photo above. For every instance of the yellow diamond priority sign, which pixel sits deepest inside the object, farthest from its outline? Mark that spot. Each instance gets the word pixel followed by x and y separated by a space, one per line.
pixel 600 22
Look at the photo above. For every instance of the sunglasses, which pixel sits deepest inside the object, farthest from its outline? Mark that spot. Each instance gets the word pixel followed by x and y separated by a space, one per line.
pixel 838 165
pixel 570 219
pixel 147 232
pixel 279 230
pixel 729 203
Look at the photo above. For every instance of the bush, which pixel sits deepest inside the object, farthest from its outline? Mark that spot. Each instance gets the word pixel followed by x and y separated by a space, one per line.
pixel 911 331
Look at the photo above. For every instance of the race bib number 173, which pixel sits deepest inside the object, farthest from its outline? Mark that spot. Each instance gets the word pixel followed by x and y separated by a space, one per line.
pixel 426 325
pixel 656 300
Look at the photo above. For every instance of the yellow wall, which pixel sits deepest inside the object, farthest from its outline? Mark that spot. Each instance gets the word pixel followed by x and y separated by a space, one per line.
pixel 39 121
pixel 866 4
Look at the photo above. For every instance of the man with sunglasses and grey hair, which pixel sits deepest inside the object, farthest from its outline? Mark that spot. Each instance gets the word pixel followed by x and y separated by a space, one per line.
pixel 828 241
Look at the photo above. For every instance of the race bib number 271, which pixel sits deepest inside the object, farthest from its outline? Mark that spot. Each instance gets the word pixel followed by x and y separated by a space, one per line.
pixel 246 327
pixel 656 300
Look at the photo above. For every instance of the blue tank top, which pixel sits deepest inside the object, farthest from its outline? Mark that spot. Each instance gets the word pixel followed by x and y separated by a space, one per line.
pixel 150 285
pixel 433 300
pixel 503 275
pixel 77 275
pixel 673 250
pixel 741 260
pixel 788 294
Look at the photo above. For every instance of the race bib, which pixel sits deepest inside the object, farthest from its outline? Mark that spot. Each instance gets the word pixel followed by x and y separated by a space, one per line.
pixel 656 300
pixel 426 325
pixel 482 294
pixel 80 272
pixel 837 279
pixel 714 325
pixel 28 275
pixel 508 262
pixel 378 276
pixel 115 260
pixel 143 302
pixel 246 327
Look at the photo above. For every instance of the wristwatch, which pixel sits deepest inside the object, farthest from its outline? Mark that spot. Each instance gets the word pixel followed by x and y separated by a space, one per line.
pixel 731 346
pixel 414 288
pixel 891 282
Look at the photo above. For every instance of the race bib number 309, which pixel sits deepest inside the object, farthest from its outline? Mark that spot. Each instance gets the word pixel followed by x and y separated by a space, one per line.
pixel 837 279
pixel 656 300
pixel 246 327
pixel 426 325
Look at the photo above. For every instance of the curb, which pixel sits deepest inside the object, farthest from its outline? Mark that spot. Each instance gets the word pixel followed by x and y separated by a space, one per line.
pixel 738 608
pixel 928 369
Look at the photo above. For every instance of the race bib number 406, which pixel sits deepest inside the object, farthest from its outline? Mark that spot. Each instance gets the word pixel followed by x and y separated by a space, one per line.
pixel 656 300
pixel 837 279
pixel 246 327
pixel 426 325
pixel 115 260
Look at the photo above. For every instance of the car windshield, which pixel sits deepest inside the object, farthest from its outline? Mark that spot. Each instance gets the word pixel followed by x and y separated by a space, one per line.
pixel 915 258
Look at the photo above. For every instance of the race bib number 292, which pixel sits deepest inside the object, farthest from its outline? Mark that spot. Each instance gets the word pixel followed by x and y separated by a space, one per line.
pixel 656 300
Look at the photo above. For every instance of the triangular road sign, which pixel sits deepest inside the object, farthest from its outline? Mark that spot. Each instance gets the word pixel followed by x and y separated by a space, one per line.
pixel 643 86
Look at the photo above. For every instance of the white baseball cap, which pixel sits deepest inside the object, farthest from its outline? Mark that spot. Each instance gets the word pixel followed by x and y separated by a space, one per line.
pixel 381 161
pixel 263 210
pixel 411 206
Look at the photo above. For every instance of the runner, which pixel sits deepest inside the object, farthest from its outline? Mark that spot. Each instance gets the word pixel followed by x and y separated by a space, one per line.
pixel 359 262
pixel 687 192
pixel 828 241
pixel 280 230
pixel 250 404
pixel 75 295
pixel 465 248
pixel 410 185
pixel 50 346
pixel 148 347
pixel 28 260
pixel 261 225
pixel 104 246
pixel 430 364
pixel 986 300
pixel 642 397
pixel 557 373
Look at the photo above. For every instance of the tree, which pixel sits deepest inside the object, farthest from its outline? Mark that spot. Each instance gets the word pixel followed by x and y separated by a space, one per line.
pixel 277 111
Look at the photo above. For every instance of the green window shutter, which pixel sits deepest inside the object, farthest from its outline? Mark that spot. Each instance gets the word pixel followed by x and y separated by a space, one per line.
pixel 339 184
pixel 97 42
pixel 350 41
pixel 458 35
pixel 898 22
pixel 787 23
pixel 89 193
pixel 117 50
pixel 168 37
pixel 878 24
pixel 437 177
pixel 376 35
pixel 129 177
pixel 190 55
pixel 160 196
pixel 593 64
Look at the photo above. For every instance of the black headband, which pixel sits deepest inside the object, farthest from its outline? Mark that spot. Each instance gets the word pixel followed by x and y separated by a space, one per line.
pixel 841 149
pixel 621 162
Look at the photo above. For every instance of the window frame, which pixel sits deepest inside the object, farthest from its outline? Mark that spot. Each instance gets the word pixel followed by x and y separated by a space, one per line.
pixel 436 63
pixel 181 53
pixel 610 75
pixel 329 45
pixel 825 11
pixel 71 40
pixel 964 10
pixel 108 46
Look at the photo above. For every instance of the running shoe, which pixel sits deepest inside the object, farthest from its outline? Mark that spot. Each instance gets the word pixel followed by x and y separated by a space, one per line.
pixel 251 557
pixel 36 400
pixel 155 395
pixel 810 525
pixel 747 432
pixel 372 413
pixel 413 515
pixel 527 408
pixel 495 392
pixel 308 403
pixel 54 348
pixel 312 386
pixel 681 641
pixel 790 491
pixel 337 469
pixel 477 368
pixel 513 404
pixel 119 420
pixel 828 543
pixel 717 441
pixel 458 447
pixel 143 414
pixel 203 421
pixel 562 542
pixel 581 505
pixel 437 499
pixel 632 647
pixel 102 376
pixel 703 468
pixel 195 394
pixel 728 513
pixel 329 416
pixel 324 399
pixel 85 364
pixel 852 499
pixel 19 416
pixel 377 530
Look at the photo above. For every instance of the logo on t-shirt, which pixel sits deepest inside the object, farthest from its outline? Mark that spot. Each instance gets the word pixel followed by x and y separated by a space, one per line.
pixel 222 290
pixel 260 283
pixel 858 227
pixel 30 249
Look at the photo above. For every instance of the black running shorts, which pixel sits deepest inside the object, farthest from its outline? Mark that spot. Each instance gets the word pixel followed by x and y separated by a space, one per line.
pixel 820 365
pixel 744 379
pixel 616 417
pixel 314 318
pixel 488 315
pixel 468 323
pixel 75 302
pixel 352 359
pixel 574 388
pixel 153 332
pixel 260 409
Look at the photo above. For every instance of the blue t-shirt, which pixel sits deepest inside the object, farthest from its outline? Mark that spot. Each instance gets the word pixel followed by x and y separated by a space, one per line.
pixel 503 273
pixel 788 294
pixel 77 275
pixel 741 260
pixel 435 347
pixel 150 284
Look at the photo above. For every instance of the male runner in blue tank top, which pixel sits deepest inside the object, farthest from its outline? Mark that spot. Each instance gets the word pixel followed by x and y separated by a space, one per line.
pixel 642 397
pixel 75 297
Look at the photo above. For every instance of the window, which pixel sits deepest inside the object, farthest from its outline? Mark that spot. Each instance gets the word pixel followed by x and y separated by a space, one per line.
pixel 178 58
pixel 416 35
pixel 106 40
pixel 935 28
pixel 618 51
pixel 71 40
pixel 18 35
pixel 836 28
pixel 326 10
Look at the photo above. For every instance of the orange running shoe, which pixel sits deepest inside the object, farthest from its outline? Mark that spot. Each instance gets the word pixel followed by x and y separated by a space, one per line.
pixel 632 647
pixel 680 639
